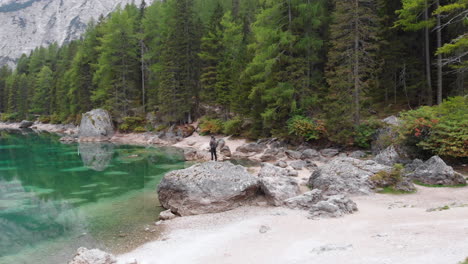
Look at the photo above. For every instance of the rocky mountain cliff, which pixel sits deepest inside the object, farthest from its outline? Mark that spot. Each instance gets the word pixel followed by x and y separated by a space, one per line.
pixel 27 24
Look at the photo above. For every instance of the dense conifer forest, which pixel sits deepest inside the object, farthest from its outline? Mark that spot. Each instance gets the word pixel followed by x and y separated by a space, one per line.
pixel 297 69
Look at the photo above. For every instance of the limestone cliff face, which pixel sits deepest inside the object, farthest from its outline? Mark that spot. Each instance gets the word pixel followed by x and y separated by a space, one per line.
pixel 27 24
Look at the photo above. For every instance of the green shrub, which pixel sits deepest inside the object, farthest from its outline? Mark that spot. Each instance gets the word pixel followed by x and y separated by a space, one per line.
pixel 306 128
pixel 364 133
pixel 76 120
pixel 161 128
pixel 131 123
pixel 9 117
pixel 44 119
pixel 442 129
pixel 210 126
pixel 385 179
pixel 139 130
pixel 233 127
pixel 389 180
pixel 55 119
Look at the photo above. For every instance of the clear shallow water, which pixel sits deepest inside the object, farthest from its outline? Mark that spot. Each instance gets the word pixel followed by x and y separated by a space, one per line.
pixel 56 197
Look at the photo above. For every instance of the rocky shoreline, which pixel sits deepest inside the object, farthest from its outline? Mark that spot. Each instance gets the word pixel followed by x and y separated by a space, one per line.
pixel 321 182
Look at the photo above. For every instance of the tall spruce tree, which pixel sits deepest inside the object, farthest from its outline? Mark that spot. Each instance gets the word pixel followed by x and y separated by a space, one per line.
pixel 352 65
pixel 211 56
pixel 5 72
pixel 179 74
pixel 42 91
pixel 118 77
pixel 286 52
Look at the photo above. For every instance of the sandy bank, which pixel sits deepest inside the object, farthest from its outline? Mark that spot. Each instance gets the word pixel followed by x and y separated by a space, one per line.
pixel 387 229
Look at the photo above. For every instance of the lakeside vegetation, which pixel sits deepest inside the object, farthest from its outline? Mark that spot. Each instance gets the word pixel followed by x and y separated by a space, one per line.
pixel 299 70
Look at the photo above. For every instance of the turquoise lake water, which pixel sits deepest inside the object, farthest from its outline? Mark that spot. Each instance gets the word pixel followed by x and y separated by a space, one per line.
pixel 57 197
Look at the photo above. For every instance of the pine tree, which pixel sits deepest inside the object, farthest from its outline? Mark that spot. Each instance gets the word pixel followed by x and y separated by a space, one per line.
pixel 179 75
pixel 211 55
pixel 42 93
pixel 229 69
pixel 23 95
pixel 351 67
pixel 80 73
pixel 13 93
pixel 284 32
pixel 5 72
pixel 155 30
pixel 117 76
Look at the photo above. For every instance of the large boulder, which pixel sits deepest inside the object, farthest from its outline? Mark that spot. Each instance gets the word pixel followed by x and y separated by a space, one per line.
pixel 96 125
pixel 226 151
pixel 411 167
pixel 392 120
pixel 320 205
pixel 294 155
pixel 435 172
pixel 191 154
pixel 305 201
pixel 333 206
pixel 268 157
pixel 269 170
pixel 221 144
pixel 298 164
pixel 207 188
pixel 277 183
pixel 281 164
pixel 251 148
pixel 385 136
pixel 346 176
pixel 310 154
pixel 26 124
pixel 357 154
pixel 390 156
pixel 329 153
pixel 92 256
pixel 278 189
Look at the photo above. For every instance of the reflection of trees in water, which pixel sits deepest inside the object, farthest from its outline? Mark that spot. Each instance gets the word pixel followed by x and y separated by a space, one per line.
pixel 96 156
pixel 26 219
pixel 43 185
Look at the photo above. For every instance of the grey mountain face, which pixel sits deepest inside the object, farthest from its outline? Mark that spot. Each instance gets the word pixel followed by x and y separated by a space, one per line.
pixel 27 24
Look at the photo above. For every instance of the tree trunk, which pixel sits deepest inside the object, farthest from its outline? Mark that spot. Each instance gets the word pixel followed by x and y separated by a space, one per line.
pixel 357 118
pixel 143 92
pixel 395 84
pixel 428 58
pixel 235 8
pixel 439 58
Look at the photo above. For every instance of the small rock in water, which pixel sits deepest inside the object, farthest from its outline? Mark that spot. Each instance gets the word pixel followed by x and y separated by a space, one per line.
pixel 331 247
pixel 264 229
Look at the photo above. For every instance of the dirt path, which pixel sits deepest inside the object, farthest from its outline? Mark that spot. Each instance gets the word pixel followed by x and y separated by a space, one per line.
pixel 387 229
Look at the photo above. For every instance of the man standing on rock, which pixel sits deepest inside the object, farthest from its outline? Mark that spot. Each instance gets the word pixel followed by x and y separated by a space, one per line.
pixel 213 146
